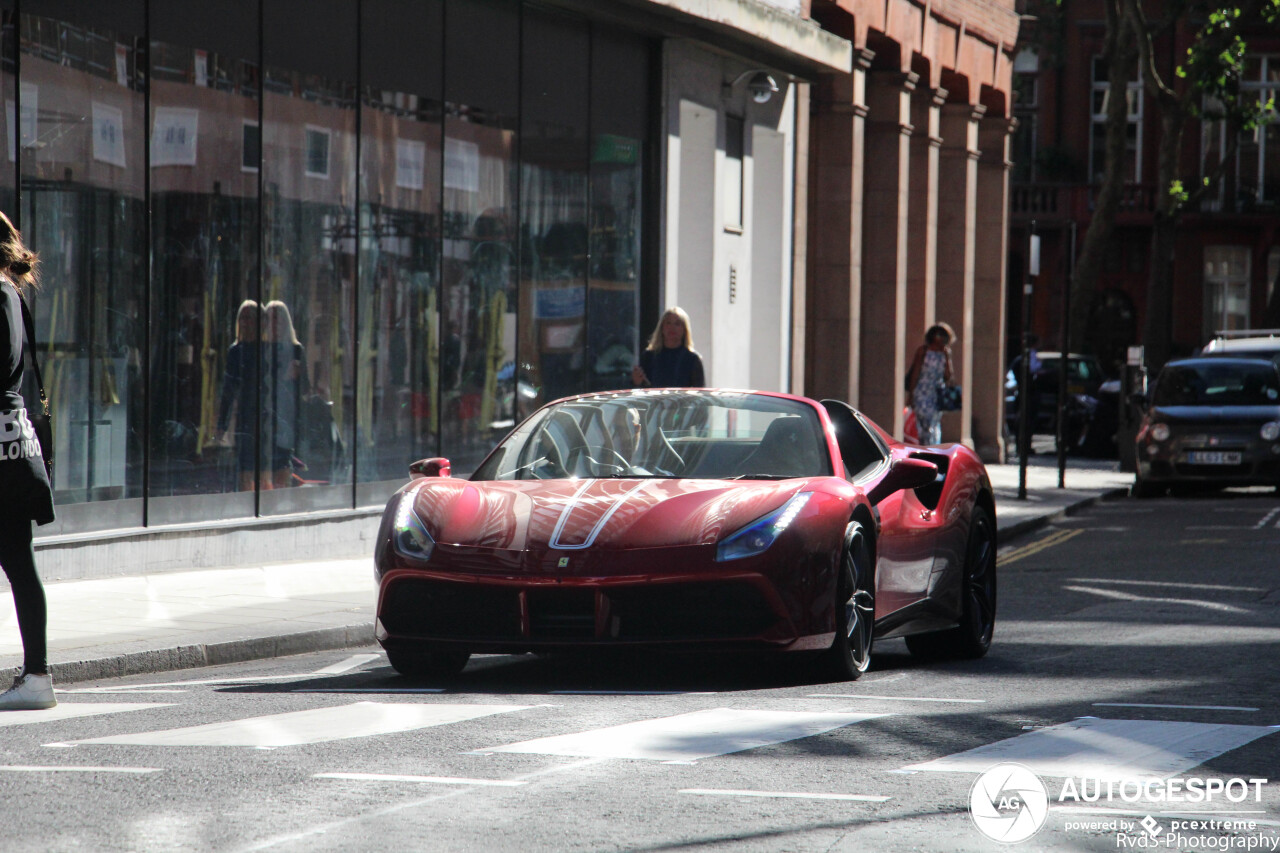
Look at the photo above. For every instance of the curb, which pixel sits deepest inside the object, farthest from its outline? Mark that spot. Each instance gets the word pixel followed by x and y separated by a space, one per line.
pixel 213 654
pixel 1029 525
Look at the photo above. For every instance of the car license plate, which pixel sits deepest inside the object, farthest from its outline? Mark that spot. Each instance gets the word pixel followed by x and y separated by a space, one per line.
pixel 1213 457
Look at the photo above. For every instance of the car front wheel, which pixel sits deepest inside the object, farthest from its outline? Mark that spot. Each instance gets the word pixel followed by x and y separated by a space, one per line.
pixel 855 609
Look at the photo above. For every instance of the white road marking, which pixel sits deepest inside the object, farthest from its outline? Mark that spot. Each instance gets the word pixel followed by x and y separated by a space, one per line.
pixel 74 710
pixel 372 817
pixel 438 780
pixel 1162 584
pixel 32 768
pixel 319 725
pixel 689 737
pixel 368 690
pixel 1129 596
pixel 1266 519
pixel 114 691
pixel 1106 749
pixel 797 795
pixel 631 693
pixel 346 665
pixel 893 698
pixel 203 682
pixel 1179 707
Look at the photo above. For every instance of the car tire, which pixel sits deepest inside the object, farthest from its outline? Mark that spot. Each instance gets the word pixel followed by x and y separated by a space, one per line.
pixel 972 637
pixel 428 662
pixel 855 609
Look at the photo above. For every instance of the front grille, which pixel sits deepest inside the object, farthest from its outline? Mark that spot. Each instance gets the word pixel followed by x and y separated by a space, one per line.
pixel 690 611
pixel 441 610
pixel 562 614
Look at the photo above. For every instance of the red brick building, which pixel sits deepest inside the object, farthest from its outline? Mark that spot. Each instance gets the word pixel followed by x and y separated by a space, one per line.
pixel 1228 254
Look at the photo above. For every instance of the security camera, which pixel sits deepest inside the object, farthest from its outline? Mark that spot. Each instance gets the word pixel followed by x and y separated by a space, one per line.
pixel 762 87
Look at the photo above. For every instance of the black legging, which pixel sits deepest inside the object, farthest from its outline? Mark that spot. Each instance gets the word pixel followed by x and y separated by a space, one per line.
pixel 19 561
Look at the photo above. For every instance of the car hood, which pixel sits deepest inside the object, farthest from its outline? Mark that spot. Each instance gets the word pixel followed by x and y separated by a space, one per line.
pixel 540 515
pixel 1215 414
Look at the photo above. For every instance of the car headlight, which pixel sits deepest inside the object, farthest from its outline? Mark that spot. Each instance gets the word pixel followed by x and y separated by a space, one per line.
pixel 1271 431
pixel 1159 432
pixel 409 535
pixel 757 536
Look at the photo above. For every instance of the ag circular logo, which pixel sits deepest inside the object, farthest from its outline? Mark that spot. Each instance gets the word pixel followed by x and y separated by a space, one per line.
pixel 1008 803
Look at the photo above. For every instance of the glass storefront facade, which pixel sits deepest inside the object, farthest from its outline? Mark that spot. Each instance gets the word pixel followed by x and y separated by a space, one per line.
pixel 291 245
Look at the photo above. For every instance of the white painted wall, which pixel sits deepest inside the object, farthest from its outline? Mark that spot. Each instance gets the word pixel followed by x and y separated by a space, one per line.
pixel 744 341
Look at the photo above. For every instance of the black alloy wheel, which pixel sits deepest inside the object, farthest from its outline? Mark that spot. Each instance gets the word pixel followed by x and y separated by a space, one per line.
pixel 855 609
pixel 972 637
pixel 428 661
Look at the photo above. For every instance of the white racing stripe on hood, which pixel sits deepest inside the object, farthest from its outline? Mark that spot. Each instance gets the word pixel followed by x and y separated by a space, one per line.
pixel 604 519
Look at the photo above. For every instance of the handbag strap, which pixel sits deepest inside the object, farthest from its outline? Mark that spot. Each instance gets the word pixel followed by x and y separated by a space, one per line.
pixel 31 346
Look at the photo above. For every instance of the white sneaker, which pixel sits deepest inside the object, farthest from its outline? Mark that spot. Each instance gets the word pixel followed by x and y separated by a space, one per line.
pixel 29 693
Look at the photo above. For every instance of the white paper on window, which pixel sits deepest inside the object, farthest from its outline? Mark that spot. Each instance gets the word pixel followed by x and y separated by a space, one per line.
pixel 174 136
pixel 108 134
pixel 411 159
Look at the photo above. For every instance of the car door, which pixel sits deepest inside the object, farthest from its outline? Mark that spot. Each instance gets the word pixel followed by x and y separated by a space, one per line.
pixel 906 546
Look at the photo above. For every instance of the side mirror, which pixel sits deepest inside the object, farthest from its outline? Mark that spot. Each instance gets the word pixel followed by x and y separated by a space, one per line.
pixel 436 466
pixel 903 474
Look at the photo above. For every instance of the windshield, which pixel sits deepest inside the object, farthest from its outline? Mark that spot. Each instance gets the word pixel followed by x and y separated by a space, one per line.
pixel 668 433
pixel 1218 384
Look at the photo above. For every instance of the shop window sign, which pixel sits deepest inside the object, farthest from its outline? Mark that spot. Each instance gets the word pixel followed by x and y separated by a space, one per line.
pixel 108 134
pixel 173 139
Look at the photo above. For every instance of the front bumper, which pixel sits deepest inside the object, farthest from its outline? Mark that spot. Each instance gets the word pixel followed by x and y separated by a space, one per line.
pixel 1254 461
pixel 683 599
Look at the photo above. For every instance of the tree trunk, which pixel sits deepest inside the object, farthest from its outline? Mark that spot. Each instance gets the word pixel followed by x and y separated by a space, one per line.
pixel 1119 50
pixel 1158 329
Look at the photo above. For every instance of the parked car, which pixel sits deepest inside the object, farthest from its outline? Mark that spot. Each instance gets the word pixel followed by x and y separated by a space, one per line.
pixel 691 519
pixel 1092 402
pixel 1210 421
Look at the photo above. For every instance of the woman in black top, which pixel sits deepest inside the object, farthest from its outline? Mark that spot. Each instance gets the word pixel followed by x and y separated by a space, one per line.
pixel 669 361
pixel 240 390
pixel 25 495
pixel 286 385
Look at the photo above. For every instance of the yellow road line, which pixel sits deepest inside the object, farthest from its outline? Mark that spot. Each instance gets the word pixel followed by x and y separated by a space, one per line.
pixel 1036 547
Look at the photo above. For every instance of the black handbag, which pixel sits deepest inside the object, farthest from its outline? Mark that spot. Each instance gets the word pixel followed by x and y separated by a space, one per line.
pixel 40 417
pixel 950 398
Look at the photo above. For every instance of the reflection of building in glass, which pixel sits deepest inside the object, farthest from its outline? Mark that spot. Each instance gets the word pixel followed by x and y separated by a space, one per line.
pixel 468 207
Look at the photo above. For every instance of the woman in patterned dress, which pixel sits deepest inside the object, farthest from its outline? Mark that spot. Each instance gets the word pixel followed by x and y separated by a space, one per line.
pixel 930 372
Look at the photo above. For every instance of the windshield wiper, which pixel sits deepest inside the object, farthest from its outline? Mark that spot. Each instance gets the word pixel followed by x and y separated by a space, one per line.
pixel 760 477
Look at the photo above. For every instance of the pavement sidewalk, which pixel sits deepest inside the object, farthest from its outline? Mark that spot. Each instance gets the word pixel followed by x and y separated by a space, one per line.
pixel 160 622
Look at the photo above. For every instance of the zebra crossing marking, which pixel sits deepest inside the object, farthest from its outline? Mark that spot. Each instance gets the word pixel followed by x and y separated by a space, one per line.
pixel 353 662
pixel 688 737
pixel 785 795
pixel 1095 748
pixel 74 710
pixel 74 768
pixel 436 780
pixel 319 725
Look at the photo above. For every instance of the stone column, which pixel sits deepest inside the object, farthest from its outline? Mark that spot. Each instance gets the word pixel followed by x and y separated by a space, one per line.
pixel 957 215
pixel 989 282
pixel 884 259
pixel 833 294
pixel 922 234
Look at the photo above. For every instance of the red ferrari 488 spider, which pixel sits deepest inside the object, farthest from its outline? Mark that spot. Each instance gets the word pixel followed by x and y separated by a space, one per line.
pixel 691 519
